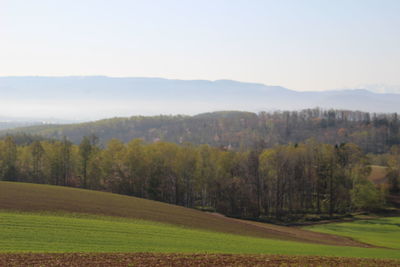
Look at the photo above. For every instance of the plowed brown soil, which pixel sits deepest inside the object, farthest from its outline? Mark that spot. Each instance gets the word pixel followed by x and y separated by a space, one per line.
pixel 33 197
pixel 150 259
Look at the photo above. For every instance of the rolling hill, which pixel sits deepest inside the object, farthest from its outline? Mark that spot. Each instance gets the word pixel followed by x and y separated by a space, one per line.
pixel 45 198
pixel 59 226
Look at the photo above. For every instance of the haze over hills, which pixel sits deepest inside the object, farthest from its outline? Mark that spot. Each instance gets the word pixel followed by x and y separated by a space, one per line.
pixel 95 97
pixel 15 122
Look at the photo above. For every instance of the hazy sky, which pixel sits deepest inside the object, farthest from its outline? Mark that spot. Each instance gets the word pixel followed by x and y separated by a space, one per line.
pixel 302 45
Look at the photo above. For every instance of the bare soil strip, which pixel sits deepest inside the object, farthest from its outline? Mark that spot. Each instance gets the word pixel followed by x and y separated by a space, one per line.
pixel 151 259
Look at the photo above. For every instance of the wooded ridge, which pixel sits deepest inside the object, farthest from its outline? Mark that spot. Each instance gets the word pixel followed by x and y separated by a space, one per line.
pixel 373 133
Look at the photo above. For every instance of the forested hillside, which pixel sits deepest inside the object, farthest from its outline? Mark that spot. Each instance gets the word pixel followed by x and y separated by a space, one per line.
pixel 374 133
pixel 282 182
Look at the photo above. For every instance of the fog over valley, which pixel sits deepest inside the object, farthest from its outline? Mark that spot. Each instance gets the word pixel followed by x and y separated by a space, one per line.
pixel 83 98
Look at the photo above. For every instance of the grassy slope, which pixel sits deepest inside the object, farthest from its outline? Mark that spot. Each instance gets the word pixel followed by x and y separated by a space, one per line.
pixel 29 232
pixel 383 232
pixel 33 197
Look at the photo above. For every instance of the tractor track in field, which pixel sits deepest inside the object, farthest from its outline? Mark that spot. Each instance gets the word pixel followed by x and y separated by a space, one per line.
pixel 298 233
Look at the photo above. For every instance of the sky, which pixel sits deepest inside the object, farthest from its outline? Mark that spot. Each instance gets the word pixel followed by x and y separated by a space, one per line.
pixel 302 45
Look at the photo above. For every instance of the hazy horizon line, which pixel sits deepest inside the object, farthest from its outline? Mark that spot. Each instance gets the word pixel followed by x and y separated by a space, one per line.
pixel 361 87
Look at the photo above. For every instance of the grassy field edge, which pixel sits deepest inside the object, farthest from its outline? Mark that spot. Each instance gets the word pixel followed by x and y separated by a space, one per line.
pixel 43 233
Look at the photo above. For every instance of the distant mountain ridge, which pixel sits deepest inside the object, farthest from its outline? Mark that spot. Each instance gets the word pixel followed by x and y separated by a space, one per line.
pixel 95 97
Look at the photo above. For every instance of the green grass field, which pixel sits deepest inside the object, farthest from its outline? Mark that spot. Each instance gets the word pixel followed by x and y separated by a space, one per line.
pixel 43 219
pixel 383 232
pixel 33 232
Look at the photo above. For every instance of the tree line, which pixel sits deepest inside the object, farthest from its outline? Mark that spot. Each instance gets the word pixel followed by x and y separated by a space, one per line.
pixel 280 182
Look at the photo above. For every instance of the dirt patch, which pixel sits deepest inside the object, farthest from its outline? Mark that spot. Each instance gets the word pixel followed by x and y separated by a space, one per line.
pixel 150 259
pixel 378 175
